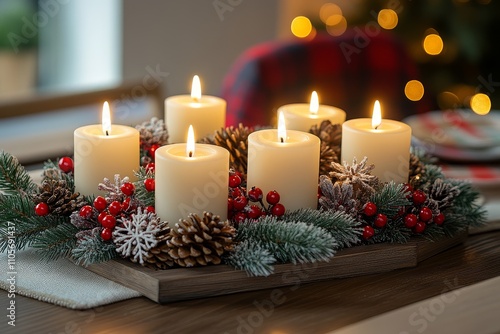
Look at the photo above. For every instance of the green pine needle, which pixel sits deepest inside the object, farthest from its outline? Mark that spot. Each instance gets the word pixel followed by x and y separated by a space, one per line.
pixel 255 259
pixel 390 199
pixel 290 241
pixel 56 242
pixel 92 249
pixel 13 177
pixel 344 228
pixel 147 198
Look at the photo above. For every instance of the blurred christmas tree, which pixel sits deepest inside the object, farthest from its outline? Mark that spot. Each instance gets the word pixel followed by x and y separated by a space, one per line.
pixel 452 41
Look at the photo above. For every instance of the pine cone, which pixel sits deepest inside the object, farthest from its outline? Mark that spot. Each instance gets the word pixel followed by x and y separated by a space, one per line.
pixel 158 257
pixel 417 169
pixel 235 140
pixel 331 137
pixel 60 199
pixel 198 241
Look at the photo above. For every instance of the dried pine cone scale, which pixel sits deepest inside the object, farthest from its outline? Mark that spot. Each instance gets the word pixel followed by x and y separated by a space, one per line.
pixel 60 199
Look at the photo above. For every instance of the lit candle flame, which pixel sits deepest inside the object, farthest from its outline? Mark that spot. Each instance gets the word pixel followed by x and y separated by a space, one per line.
pixel 281 127
pixel 106 119
pixel 314 105
pixel 376 116
pixel 190 142
pixel 196 88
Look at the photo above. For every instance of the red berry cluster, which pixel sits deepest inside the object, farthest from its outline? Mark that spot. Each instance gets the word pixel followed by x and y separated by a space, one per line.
pixel 418 216
pixel 241 205
pixel 108 211
pixel 374 218
pixel 149 151
pixel 66 165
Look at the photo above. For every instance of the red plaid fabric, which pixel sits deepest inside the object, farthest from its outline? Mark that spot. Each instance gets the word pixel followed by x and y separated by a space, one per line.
pixel 477 174
pixel 344 74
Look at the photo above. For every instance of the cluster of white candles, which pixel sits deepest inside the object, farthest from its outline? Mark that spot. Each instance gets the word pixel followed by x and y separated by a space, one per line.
pixel 192 177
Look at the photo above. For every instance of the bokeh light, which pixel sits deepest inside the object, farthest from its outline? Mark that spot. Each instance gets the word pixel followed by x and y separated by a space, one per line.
pixel 480 104
pixel 328 10
pixel 414 90
pixel 433 44
pixel 339 28
pixel 301 26
pixel 448 100
pixel 387 19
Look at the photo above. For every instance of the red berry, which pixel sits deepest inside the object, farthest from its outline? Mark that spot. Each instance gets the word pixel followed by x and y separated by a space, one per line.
pixel 418 197
pixel 254 212
pixel 150 167
pixel 86 211
pixel 419 227
pixel 368 232
pixel 235 192
pixel 108 221
pixel 410 220
pixel 278 210
pixel 240 202
pixel 380 220
pixel 234 181
pixel 273 197
pixel 126 204
pixel 255 194
pixel 425 214
pixel 152 150
pixel 100 203
pixel 101 216
pixel 240 217
pixel 370 209
pixel 150 209
pixel 149 184
pixel 439 219
pixel 230 204
pixel 42 209
pixel 66 164
pixel 106 234
pixel 115 208
pixel 128 188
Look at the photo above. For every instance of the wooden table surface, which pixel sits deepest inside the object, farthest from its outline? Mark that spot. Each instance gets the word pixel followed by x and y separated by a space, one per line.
pixel 303 308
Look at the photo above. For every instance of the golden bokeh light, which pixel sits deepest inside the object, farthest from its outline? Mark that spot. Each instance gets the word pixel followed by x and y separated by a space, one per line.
pixel 328 10
pixel 387 19
pixel 480 104
pixel 301 26
pixel 433 44
pixel 333 20
pixel 337 29
pixel 448 100
pixel 414 90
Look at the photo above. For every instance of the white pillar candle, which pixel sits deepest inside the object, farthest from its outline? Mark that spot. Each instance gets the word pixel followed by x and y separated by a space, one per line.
pixel 191 178
pixel 206 113
pixel 302 116
pixel 386 143
pixel 103 150
pixel 289 166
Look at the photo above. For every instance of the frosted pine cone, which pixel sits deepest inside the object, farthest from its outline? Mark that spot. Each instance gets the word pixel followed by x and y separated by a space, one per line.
pixel 158 257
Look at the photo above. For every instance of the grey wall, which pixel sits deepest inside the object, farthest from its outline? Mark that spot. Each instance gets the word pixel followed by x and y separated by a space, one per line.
pixel 187 37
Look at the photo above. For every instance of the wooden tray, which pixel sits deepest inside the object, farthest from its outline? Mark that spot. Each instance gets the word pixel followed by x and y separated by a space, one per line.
pixel 163 286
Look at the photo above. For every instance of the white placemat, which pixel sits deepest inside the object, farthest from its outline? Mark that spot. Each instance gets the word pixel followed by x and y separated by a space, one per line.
pixel 58 282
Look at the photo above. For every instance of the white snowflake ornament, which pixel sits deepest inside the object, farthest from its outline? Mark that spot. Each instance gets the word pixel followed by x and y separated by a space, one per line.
pixel 136 236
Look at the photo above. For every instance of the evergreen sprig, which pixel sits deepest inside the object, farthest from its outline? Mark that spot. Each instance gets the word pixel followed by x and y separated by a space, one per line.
pixel 294 242
pixel 393 232
pixel 343 227
pixel 56 242
pixel 92 249
pixel 13 177
pixel 255 259
pixel 390 198
pixel 141 194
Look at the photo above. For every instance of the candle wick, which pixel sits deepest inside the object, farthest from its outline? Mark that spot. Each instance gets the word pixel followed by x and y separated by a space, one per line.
pixel 190 154
pixel 376 128
pixel 195 99
pixel 282 140
pixel 107 134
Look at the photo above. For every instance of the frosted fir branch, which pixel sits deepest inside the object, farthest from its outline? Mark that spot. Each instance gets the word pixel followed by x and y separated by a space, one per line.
pixel 252 257
pixel 146 198
pixel 390 198
pixel 56 242
pixel 91 249
pixel 343 227
pixel 294 242
pixel 153 131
